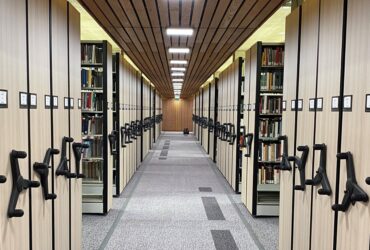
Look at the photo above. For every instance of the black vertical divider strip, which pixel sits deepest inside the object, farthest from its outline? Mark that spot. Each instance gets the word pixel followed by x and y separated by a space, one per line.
pixel 314 123
pixel 296 121
pixel 215 119
pixel 150 111
pixel 105 128
pixel 198 135
pixel 69 135
pixel 201 128
pixel 52 121
pixel 209 115
pixel 256 129
pixel 238 110
pixel 141 118
pixel 154 109
pixel 28 126
pixel 117 163
pixel 340 122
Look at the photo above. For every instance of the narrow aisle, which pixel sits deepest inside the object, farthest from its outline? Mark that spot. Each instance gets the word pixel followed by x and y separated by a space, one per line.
pixel 178 200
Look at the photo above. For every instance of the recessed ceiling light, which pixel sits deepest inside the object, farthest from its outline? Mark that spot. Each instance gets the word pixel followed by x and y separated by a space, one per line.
pixel 179 32
pixel 177 80
pixel 177 84
pixel 179 62
pixel 178 69
pixel 179 50
pixel 178 74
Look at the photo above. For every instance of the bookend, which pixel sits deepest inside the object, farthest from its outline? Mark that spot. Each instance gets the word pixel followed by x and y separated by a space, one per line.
pixel 63 167
pixel 19 184
pixel 353 192
pixel 300 163
pixel 112 137
pixel 248 139
pixel 78 148
pixel 321 177
pixel 43 170
pixel 285 163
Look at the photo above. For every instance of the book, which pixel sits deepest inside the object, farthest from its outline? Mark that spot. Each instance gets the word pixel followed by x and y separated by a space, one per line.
pixel 270 128
pixel 91 53
pixel 92 78
pixel 270 104
pixel 93 170
pixel 273 56
pixel 269 152
pixel 268 175
pixel 92 101
pixel 92 125
pixel 271 81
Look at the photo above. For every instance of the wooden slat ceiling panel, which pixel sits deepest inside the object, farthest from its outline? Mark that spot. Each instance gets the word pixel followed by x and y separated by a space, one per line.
pixel 220 27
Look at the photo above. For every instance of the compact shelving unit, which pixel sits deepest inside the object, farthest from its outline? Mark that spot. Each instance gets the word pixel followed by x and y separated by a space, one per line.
pixel 96 94
pixel 263 106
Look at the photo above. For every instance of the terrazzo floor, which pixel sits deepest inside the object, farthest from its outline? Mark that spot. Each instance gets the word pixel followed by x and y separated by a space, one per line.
pixel 178 200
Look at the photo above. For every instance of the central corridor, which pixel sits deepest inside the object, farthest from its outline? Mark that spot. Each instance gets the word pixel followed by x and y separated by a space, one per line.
pixel 178 200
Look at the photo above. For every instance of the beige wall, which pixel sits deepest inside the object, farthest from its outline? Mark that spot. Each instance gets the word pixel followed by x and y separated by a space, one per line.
pixel 177 114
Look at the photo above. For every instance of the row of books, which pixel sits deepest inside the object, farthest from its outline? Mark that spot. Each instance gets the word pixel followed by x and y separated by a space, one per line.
pixel 92 125
pixel 270 105
pixel 95 149
pixel 271 81
pixel 92 101
pixel 91 53
pixel 273 56
pixel 268 175
pixel 269 152
pixel 270 128
pixel 91 78
pixel 93 170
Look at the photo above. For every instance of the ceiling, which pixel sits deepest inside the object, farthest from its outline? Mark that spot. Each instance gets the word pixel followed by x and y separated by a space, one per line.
pixel 220 28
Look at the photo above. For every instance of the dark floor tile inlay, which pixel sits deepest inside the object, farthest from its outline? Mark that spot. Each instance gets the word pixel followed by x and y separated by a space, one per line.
pixel 212 208
pixel 223 240
pixel 164 153
pixel 205 189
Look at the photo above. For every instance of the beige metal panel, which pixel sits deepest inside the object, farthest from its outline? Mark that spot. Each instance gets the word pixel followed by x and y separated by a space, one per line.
pixel 60 117
pixel 245 173
pixel 75 124
pixel 288 126
pixel 305 125
pixel 353 225
pixel 252 116
pixel 13 78
pixel 40 123
pixel 329 66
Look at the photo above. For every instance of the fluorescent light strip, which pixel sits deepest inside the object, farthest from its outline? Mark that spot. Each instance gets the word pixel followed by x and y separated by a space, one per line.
pixel 179 50
pixel 177 80
pixel 178 74
pixel 179 32
pixel 178 69
pixel 178 62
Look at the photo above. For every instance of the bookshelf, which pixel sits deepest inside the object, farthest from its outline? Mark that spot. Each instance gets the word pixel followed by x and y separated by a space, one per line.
pixel 96 95
pixel 263 93
pixel 116 122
